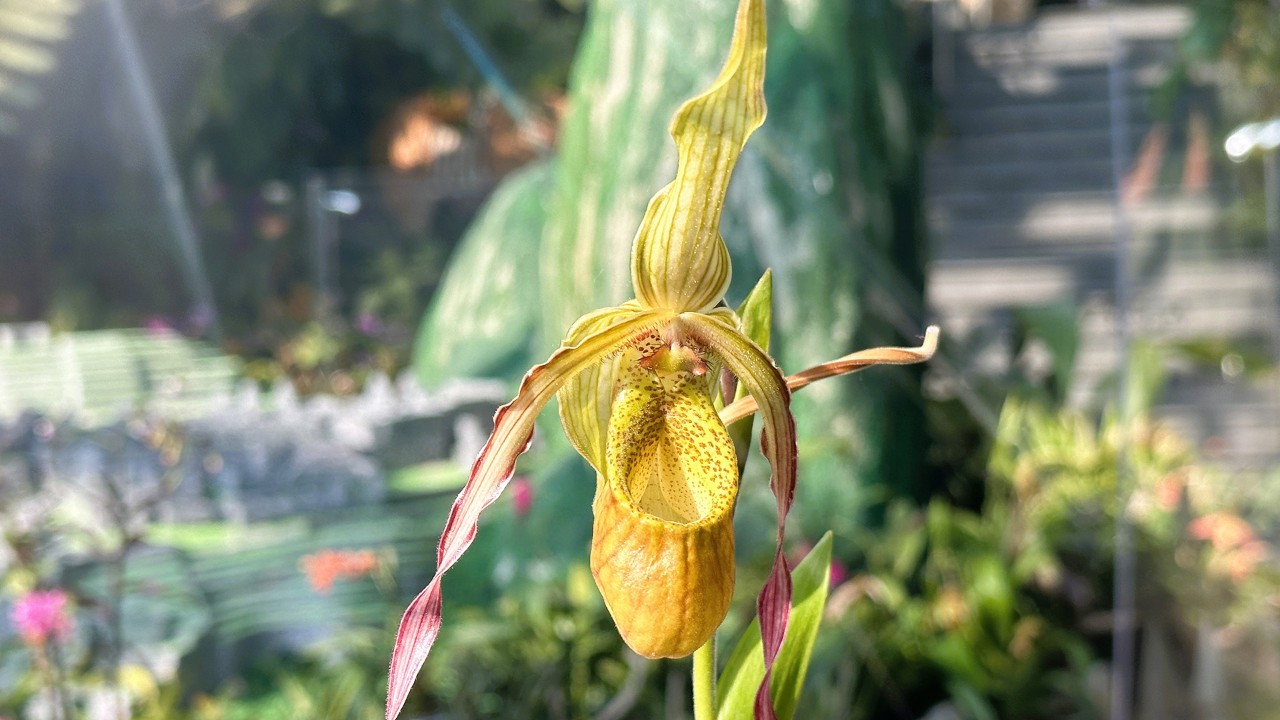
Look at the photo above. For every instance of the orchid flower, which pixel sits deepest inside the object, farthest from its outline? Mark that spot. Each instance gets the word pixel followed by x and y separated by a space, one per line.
pixel 637 386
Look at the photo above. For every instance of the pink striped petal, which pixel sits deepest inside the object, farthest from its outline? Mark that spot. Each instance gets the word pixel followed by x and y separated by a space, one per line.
pixel 512 428
pixel 778 442
pixel 861 360
pixel 773 607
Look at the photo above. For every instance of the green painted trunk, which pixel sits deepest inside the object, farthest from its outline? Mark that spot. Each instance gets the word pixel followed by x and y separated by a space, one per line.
pixel 487 308
pixel 827 194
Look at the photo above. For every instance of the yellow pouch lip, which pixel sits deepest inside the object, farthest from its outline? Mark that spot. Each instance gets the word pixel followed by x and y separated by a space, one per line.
pixel 662 542
pixel 667 585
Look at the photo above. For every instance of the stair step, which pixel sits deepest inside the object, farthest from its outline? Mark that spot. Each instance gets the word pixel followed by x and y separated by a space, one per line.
pixel 1077 31
pixel 997 184
pixel 998 229
pixel 978 286
pixel 1095 51
pixel 1075 174
pixel 1188 298
pixel 1023 212
pixel 1032 85
pixel 973 203
pixel 985 121
pixel 1037 145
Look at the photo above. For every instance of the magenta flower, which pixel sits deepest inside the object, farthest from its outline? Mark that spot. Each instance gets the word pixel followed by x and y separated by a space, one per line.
pixel 41 615
pixel 157 326
pixel 522 495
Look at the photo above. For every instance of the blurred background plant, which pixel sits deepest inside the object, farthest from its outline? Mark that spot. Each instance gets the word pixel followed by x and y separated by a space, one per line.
pixel 1005 610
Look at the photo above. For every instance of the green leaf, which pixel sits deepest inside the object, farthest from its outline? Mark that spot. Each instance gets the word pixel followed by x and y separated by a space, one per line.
pixel 756 312
pixel 742 674
pixel 970 702
pixel 1058 327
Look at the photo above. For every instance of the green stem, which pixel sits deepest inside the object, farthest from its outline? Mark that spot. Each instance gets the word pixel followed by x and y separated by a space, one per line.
pixel 704 681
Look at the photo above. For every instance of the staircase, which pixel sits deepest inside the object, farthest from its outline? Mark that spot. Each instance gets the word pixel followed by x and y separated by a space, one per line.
pixel 1042 122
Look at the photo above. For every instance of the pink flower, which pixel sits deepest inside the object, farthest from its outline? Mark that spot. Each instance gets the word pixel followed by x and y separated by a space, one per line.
pixel 522 495
pixel 839 573
pixel 368 323
pixel 41 615
pixel 157 326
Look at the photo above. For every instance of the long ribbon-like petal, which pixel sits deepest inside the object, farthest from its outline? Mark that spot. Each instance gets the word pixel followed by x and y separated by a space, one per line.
pixel 851 363
pixel 778 442
pixel 513 426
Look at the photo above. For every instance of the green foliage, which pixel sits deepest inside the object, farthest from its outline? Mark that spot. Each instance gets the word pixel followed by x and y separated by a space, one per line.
pixel 260 97
pixel 1056 325
pixel 1236 43
pixel 736 691
pixel 300 66
pixel 1243 36
pixel 342 678
pixel 948 608
pixel 550 644
pixel 994 612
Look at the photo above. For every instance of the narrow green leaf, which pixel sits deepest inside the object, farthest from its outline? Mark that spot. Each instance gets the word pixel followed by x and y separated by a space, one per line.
pixel 736 690
pixel 756 312
pixel 970 702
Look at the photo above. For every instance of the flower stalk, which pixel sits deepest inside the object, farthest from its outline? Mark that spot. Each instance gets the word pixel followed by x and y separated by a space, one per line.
pixel 704 681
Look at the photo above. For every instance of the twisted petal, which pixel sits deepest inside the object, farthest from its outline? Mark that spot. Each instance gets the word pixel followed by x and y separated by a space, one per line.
pixel 513 426
pixel 778 442
pixel 851 363
pixel 662 545
pixel 679 261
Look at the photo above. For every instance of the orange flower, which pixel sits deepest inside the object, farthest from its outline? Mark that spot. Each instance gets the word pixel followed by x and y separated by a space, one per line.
pixel 325 567
pixel 1236 548
pixel 1223 530
pixel 1240 562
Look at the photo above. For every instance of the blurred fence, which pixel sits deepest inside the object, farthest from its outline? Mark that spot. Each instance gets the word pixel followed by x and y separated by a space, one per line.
pixel 1070 183
pixel 1084 213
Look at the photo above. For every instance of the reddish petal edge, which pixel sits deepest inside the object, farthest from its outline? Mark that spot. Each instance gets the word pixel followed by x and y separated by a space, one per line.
pixel 774 610
pixel 763 379
pixel 773 607
pixel 512 430
pixel 420 623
